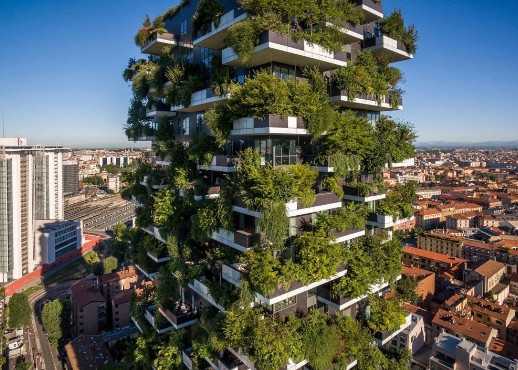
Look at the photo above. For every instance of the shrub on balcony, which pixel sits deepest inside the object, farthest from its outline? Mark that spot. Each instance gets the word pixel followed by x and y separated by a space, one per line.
pixel 399 201
pixel 394 27
pixel 321 341
pixel 330 183
pixel 370 76
pixel 169 354
pixel 134 67
pixel 170 13
pixel 221 75
pixel 149 29
pixel 207 12
pixel 386 314
pixel 202 149
pixel 137 122
pixel 349 216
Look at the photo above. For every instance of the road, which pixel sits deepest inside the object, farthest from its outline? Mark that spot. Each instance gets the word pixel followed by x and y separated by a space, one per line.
pixel 37 338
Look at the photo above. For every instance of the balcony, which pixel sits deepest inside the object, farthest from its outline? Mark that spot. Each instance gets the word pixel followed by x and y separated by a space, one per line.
pixel 221 163
pixel 354 194
pixel 383 337
pixel 147 134
pixel 187 359
pixel 385 222
pixel 232 274
pixel 150 270
pixel 201 100
pixel 203 291
pixel 180 317
pixel 410 162
pixel 275 47
pixel 150 315
pixel 229 362
pixel 362 101
pixel 324 201
pixel 239 239
pixel 384 46
pixel 156 43
pixel 352 32
pixel 215 38
pixel 341 303
pixel 159 256
pixel 270 125
pixel 441 362
pixel 160 109
pixel 152 229
pixel 154 93
pixel 372 11
pixel 347 234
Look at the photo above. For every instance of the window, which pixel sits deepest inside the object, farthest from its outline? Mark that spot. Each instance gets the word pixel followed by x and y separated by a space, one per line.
pixel 498 322
pixel 200 122
pixel 312 292
pixel 285 73
pixel 185 125
pixel 183 27
pixel 479 315
pixel 285 152
pixel 206 57
pixel 288 302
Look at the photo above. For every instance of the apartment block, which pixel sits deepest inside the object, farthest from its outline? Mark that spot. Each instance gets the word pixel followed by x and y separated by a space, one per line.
pixel 441 243
pixel 31 188
pixel 451 352
pixel 280 143
pixel 492 314
pixel 88 308
pixel 56 238
pixel 436 262
pixel 70 178
pixel 117 282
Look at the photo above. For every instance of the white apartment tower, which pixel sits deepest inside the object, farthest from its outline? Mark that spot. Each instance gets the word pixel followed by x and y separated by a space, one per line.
pixel 31 187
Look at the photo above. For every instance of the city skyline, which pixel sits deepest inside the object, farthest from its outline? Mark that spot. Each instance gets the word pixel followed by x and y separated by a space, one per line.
pixel 72 84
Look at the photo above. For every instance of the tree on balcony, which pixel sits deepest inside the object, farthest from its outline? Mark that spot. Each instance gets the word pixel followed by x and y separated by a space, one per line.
pixel 207 12
pixel 149 29
pixel 394 27
pixel 386 314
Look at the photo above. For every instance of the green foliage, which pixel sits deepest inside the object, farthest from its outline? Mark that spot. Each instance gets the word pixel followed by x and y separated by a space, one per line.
pixel 394 27
pixel 170 13
pixel 371 76
pixel 399 201
pixel 207 11
pixel 366 188
pixel 19 311
pixel 164 205
pixel 386 314
pixel 109 264
pixel 202 149
pixel 204 222
pixel 221 75
pixel 372 260
pixel 137 123
pixel 407 290
pixel 56 316
pixel 243 37
pixel 321 342
pixel 330 183
pixel 263 269
pixel 349 216
pixel 120 231
pixel 149 29
pixel 93 180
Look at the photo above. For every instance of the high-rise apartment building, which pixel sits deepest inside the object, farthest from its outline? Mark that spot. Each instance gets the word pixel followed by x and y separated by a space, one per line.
pixel 31 187
pixel 70 178
pixel 267 185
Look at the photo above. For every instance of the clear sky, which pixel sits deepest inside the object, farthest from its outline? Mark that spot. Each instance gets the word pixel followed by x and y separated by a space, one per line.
pixel 61 63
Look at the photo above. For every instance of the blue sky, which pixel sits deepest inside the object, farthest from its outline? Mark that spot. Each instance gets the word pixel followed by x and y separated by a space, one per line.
pixel 61 63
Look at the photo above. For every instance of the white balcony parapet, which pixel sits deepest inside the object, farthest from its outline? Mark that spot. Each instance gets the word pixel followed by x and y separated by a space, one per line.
pixel 158 260
pixel 345 238
pixel 155 232
pixel 410 162
pixel 215 38
pixel 385 222
pixel 203 291
pixel 234 277
pixel 186 358
pixel 201 100
pixel 246 126
pixel 136 324
pixel 387 47
pixel 374 288
pixel 150 276
pixel 408 322
pixel 365 199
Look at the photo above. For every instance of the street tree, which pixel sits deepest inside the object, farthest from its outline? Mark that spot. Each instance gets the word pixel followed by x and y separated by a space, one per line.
pixel 20 311
pixel 56 320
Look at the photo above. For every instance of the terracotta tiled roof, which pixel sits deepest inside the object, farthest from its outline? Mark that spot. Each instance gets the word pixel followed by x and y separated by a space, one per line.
pixel 122 297
pixel 503 348
pixel 415 272
pixel 489 268
pixel 433 256
pixel 462 325
pixel 119 275
pixel 85 292
pixel 489 308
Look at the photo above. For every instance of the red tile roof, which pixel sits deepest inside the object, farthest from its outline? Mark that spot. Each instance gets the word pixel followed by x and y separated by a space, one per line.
pixel 433 256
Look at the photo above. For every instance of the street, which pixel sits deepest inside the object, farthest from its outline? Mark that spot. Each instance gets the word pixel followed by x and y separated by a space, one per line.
pixel 38 341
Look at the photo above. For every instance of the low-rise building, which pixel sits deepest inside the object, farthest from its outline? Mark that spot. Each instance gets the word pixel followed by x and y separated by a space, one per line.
pixel 120 309
pixel 492 314
pixel 491 273
pixel 425 282
pixel 441 243
pixel 125 279
pixel 461 326
pixel 55 238
pixel 451 267
pixel 453 353
pixel 88 308
pixel 88 352
pixel 428 218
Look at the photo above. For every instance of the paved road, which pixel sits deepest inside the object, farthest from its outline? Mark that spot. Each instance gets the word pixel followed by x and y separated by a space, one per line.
pixel 37 338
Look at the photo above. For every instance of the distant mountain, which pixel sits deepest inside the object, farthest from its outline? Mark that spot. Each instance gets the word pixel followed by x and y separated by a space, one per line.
pixel 460 144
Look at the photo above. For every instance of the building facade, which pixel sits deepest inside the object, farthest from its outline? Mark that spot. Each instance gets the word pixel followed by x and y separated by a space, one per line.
pixel 70 178
pixel 280 143
pixel 31 188
pixel 54 239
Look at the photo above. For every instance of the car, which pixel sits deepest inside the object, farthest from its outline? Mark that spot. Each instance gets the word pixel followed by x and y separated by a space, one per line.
pixel 8 330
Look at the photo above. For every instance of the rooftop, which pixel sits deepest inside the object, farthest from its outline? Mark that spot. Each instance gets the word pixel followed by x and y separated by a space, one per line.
pixel 122 297
pixel 489 308
pixel 85 292
pixel 433 256
pixel 463 325
pixel 489 268
pixel 88 353
pixel 124 273
pixel 415 272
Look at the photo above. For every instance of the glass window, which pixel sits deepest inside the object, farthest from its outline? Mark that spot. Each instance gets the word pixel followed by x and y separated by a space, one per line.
pixel 200 122
pixel 183 27
pixel 185 124
pixel 288 302
pixel 285 152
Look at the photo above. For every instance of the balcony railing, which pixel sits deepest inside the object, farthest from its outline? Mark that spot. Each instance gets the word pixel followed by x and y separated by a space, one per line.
pixel 272 124
pixel 215 37
pixel 362 101
pixel 383 337
pixel 157 42
pixel 222 163
pixel 384 222
pixel 372 11
pixel 201 100
pixel 384 46
pixel 239 239
pixel 180 318
pixel 281 48
pixel 160 109
pixel 201 289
